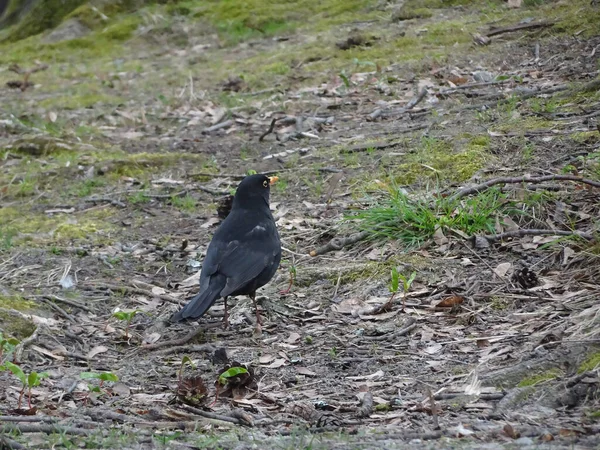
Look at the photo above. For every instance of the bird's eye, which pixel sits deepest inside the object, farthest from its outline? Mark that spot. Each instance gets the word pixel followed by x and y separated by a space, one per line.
pixel 266 183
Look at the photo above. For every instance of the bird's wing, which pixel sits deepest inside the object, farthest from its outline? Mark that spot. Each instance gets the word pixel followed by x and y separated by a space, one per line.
pixel 247 257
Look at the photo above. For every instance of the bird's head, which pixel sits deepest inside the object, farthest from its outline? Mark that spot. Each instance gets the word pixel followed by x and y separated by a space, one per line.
pixel 252 188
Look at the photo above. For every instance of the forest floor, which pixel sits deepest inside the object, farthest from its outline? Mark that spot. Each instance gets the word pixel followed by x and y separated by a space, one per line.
pixel 118 150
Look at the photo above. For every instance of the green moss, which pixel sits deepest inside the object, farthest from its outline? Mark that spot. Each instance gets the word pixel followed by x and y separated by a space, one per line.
pixel 438 160
pixel 43 15
pixel 538 378
pixel 17 303
pixel 15 325
pixel 408 13
pixel 591 363
pixel 84 100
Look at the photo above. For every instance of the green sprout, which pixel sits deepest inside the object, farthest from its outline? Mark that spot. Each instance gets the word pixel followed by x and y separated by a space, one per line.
pixel 27 381
pixel 126 316
pixel 185 360
pixel 7 345
pixel 395 284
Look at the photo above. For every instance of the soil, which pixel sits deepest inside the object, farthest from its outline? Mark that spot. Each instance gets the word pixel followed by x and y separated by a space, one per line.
pixel 108 205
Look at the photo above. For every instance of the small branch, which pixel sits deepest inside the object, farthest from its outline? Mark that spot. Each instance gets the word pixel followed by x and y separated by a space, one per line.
pixel 210 415
pixel 339 243
pixel 67 301
pixel 270 130
pixel 112 201
pixel 366 407
pixel 176 342
pixel 6 442
pixel 218 126
pixel 522 26
pixel 412 324
pixel 533 232
pixel 525 179
pixel 42 428
pixel 410 105
pixel 27 342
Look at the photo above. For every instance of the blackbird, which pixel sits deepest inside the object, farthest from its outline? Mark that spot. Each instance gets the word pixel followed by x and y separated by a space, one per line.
pixel 244 253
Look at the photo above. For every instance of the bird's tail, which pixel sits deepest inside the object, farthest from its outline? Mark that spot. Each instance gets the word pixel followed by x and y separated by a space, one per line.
pixel 202 301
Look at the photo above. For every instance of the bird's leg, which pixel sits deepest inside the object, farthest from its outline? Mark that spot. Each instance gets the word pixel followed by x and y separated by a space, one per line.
pixel 225 315
pixel 253 297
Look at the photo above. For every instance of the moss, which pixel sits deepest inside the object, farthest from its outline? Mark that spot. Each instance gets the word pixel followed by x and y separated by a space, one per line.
pixel 438 160
pixel 39 146
pixel 408 13
pixel 12 324
pixel 591 363
pixel 84 100
pixel 43 15
pixel 17 303
pixel 540 377
pixel 15 325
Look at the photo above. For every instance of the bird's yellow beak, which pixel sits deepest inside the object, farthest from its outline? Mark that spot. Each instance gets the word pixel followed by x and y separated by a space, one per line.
pixel 273 180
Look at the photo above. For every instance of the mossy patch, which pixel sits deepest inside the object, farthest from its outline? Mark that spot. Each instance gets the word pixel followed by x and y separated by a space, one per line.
pixel 436 159
pixel 591 363
pixel 540 377
pixel 13 324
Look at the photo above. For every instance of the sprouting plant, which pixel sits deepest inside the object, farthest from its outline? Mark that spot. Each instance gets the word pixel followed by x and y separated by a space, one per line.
pixel 395 284
pixel 292 271
pixel 225 376
pixel 185 360
pixel 7 345
pixel 126 316
pixel 27 381
pixel 102 376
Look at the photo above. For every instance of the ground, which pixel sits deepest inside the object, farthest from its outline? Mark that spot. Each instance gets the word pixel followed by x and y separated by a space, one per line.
pixel 121 146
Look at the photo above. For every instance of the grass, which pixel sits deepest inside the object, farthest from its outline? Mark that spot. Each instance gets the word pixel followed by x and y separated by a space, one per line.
pixel 414 220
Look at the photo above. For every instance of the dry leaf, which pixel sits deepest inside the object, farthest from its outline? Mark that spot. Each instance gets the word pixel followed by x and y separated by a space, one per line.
pixel 502 269
pixel 266 359
pixel 277 363
pixel 52 116
pixel 451 301
pixel 305 371
pixel 96 350
pixel 293 338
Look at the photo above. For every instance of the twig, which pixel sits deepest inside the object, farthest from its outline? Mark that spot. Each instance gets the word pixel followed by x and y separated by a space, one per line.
pixel 132 290
pixel 210 415
pixel 65 300
pixel 339 243
pixel 270 130
pixel 8 443
pixel 412 324
pixel 175 342
pixel 366 407
pixel 112 201
pixel 472 85
pixel 434 410
pixel 42 428
pixel 58 309
pixel 525 179
pixel 410 105
pixel 218 126
pixel 533 232
pixel 27 342
pixel 521 26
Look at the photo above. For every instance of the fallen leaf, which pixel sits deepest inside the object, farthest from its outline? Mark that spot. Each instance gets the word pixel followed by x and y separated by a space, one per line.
pixel 305 371
pixel 277 364
pixel 266 359
pixel 502 269
pixel 97 350
pixel 293 338
pixel 450 301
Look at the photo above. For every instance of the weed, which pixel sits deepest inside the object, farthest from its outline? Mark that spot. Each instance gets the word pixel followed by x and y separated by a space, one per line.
pixel 28 381
pixel 415 220
pixel 186 203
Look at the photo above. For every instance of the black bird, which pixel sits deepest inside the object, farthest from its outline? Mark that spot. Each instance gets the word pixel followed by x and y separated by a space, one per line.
pixel 244 253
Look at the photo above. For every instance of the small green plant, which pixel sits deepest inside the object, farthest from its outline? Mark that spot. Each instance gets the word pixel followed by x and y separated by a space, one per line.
pixel 186 203
pixel 223 379
pixel 27 381
pixel 333 352
pixel 395 284
pixel 185 360
pixel 292 271
pixel 415 220
pixel 126 316
pixel 102 377
pixel 7 346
